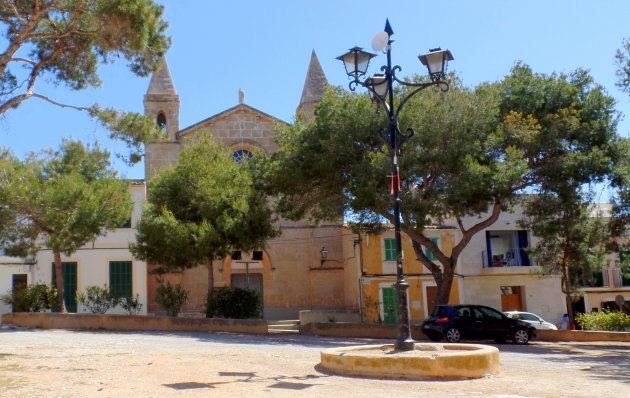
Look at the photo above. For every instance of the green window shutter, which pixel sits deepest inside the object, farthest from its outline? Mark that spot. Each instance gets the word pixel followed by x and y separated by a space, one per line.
pixel 390 305
pixel 430 254
pixel 120 284
pixel 390 249
pixel 69 270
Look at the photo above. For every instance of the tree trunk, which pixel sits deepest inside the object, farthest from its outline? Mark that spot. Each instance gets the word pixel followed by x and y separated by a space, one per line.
pixel 444 287
pixel 59 281
pixel 566 289
pixel 210 286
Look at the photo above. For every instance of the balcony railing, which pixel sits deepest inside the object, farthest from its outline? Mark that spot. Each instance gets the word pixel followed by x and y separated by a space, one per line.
pixel 512 257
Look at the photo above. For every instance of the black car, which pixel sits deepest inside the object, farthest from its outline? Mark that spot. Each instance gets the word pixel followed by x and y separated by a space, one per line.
pixel 455 322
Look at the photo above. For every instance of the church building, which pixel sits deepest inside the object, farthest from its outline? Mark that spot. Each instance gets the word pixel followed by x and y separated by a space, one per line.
pixel 301 269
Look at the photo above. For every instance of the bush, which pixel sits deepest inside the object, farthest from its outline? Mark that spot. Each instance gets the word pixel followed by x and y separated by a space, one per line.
pixel 131 305
pixel 235 303
pixel 97 299
pixel 604 320
pixel 34 298
pixel 172 298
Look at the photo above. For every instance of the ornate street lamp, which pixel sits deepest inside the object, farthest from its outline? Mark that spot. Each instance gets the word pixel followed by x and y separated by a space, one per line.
pixel 380 87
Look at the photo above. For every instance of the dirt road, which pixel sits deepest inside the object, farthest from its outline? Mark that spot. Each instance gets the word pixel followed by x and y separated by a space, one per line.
pixel 59 363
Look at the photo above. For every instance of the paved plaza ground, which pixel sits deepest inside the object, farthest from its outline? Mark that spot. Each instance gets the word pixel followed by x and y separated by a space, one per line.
pixel 60 363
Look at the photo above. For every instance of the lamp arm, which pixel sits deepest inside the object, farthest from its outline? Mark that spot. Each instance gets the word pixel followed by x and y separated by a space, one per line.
pixel 444 86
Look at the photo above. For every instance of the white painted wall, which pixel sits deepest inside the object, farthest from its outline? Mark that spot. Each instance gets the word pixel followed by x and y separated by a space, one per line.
pixel 93 259
pixel 10 266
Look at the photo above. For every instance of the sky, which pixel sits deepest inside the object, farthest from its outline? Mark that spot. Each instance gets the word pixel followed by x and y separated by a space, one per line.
pixel 264 48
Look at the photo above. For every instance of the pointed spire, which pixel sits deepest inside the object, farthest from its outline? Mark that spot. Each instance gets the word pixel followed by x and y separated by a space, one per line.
pixel 161 81
pixel 314 86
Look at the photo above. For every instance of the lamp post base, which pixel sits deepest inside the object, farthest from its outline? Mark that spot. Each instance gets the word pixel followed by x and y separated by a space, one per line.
pixel 404 345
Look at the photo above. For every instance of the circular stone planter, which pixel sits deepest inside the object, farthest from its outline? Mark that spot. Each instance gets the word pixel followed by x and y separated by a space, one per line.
pixel 426 361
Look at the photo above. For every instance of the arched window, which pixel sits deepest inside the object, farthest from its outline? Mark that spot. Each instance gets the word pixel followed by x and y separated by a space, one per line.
pixel 242 154
pixel 161 121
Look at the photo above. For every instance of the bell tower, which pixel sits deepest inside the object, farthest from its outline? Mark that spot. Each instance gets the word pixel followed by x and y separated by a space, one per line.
pixel 314 88
pixel 162 101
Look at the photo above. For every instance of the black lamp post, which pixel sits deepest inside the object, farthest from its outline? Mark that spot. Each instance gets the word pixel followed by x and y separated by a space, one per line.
pixel 380 86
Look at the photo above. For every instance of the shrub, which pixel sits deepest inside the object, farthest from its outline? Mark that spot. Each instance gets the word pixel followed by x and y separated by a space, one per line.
pixel 131 305
pixel 97 299
pixel 172 298
pixel 236 303
pixel 34 298
pixel 604 320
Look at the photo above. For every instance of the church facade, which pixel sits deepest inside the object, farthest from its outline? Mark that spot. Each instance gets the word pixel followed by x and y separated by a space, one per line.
pixel 289 270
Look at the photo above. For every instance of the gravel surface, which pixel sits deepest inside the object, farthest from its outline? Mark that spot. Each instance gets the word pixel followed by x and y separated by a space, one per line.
pixel 60 363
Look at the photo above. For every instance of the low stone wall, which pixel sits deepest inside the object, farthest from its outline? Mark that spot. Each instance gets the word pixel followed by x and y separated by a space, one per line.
pixel 378 331
pixel 134 322
pixel 314 316
pixel 365 330
pixel 581 335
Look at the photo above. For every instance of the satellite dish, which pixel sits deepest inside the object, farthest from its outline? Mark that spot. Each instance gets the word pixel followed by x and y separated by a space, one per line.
pixel 380 41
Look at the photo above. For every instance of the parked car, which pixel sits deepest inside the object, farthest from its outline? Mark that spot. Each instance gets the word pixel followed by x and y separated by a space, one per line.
pixel 532 319
pixel 455 322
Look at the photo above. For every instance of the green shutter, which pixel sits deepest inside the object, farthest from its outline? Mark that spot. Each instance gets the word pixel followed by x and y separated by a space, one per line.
pixel 120 284
pixel 429 253
pixel 390 249
pixel 390 305
pixel 69 270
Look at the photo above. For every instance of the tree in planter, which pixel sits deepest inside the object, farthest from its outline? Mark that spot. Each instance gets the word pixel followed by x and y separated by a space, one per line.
pixel 235 303
pixel 573 239
pixel 474 152
pixel 131 305
pixel 171 297
pixel 65 41
pixel 34 298
pixel 97 299
pixel 67 197
pixel 201 210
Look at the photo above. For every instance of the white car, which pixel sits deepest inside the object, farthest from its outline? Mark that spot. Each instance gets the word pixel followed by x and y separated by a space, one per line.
pixel 532 319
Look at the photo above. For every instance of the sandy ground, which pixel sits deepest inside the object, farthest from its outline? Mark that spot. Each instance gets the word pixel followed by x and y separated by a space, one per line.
pixel 58 363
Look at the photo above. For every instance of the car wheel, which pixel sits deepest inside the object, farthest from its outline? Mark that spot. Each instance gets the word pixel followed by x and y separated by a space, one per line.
pixel 520 336
pixel 453 335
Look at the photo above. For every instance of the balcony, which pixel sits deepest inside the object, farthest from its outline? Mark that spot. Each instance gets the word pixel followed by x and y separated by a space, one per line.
pixel 510 257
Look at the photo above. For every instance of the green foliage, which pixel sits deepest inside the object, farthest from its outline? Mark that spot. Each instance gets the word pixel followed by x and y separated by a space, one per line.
pixel 202 209
pixel 474 152
pixel 235 303
pixel 69 196
pixel 131 305
pixel 622 59
pixel 571 235
pixel 34 298
pixel 171 297
pixel 134 129
pixel 66 41
pixel 604 320
pixel 65 197
pixel 97 299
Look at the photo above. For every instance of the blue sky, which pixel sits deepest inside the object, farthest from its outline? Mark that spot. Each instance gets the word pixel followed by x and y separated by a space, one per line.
pixel 264 47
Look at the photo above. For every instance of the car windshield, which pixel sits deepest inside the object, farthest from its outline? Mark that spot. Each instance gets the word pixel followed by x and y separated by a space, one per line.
pixel 530 317
pixel 490 313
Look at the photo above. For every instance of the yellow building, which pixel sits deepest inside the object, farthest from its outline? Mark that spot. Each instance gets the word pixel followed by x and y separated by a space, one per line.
pixel 378 274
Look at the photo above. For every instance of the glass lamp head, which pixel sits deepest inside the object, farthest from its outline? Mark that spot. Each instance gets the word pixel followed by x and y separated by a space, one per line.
pixel 356 61
pixel 435 61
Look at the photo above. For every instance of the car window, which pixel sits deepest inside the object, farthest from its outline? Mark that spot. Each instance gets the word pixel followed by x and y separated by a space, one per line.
pixel 478 314
pixel 490 313
pixel 464 312
pixel 530 317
